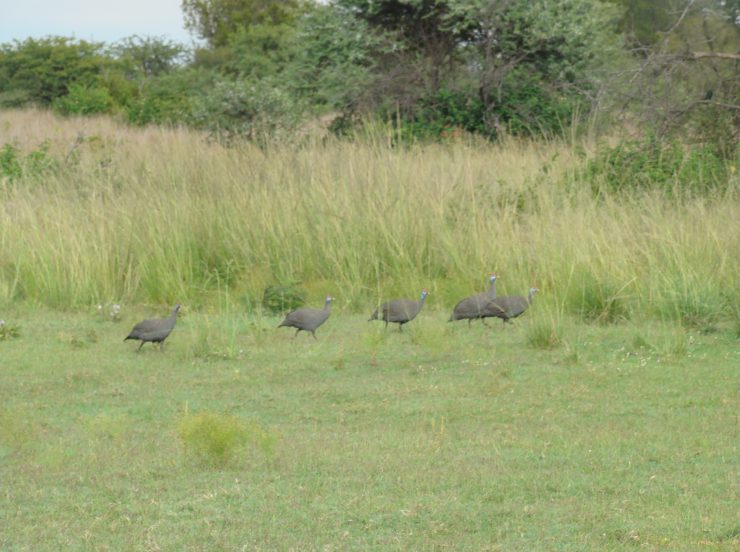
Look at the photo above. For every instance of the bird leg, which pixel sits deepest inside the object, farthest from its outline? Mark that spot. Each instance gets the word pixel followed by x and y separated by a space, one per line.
pixel 296 333
pixel 483 320
pixel 314 335
pixel 140 346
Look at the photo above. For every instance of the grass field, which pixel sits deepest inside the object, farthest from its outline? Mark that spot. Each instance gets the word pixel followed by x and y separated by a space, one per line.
pixel 605 418
pixel 443 437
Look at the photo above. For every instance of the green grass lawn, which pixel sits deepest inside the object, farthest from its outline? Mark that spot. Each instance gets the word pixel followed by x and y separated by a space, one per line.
pixel 442 437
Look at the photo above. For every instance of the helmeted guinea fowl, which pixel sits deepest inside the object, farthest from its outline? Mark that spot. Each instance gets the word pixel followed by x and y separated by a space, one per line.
pixel 155 330
pixel 473 307
pixel 399 311
pixel 307 319
pixel 509 306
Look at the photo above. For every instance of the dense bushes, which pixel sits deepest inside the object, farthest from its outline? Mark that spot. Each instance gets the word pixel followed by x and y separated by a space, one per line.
pixel 435 69
pixel 666 165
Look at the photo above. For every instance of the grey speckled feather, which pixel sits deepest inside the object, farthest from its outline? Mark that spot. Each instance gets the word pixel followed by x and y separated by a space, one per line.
pixel 399 311
pixel 307 319
pixel 510 306
pixel 155 330
pixel 473 307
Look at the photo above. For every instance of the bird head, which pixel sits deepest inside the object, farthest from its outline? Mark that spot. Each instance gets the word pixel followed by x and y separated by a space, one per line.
pixel 424 294
pixel 533 290
pixel 329 299
pixel 492 277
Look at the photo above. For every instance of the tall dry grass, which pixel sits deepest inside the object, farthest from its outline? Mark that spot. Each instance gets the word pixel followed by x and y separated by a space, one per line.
pixel 159 215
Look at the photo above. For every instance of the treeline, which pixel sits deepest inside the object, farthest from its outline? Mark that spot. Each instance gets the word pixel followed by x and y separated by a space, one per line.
pixel 265 69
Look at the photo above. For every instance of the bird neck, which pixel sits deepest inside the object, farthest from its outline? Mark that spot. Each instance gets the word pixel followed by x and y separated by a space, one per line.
pixel 530 296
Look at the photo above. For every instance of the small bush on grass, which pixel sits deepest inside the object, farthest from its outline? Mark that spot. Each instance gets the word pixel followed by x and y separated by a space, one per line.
pixel 218 441
pixel 281 299
pixel 653 164
pixel 212 440
pixel 8 331
pixel 596 299
pixel 544 334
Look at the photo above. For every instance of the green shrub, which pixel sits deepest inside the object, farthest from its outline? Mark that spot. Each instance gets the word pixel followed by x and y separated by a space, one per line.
pixel 10 164
pixel 14 167
pixel 220 440
pixel 653 164
pixel 42 70
pixel 545 334
pixel 8 331
pixel 280 299
pixel 261 110
pixel 84 100
pixel 596 299
pixel 444 116
pixel 212 440
pixel 169 98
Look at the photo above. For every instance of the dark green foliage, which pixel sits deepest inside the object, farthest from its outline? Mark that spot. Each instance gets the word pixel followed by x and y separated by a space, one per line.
pixel 169 98
pixel 653 164
pixel 332 61
pixel 445 115
pixel 41 70
pixel 84 100
pixel 148 56
pixel 10 164
pixel 259 50
pixel 280 299
pixel 14 166
pixel 216 21
pixel 531 106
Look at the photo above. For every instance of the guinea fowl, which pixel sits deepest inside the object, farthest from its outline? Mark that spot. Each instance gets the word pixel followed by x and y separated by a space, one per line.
pixel 509 306
pixel 155 330
pixel 473 307
pixel 399 311
pixel 307 319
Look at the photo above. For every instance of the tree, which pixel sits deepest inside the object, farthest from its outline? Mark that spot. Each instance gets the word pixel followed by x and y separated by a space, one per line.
pixel 480 65
pixel 41 70
pixel 217 20
pixel 148 56
pixel 688 81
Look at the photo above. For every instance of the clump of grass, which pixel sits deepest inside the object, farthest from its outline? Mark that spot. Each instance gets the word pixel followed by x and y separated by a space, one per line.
pixel 211 439
pixel 216 341
pixel 597 299
pixel 544 333
pixel 9 331
pixel 692 303
pixel 671 341
pixel 15 432
pixel 76 340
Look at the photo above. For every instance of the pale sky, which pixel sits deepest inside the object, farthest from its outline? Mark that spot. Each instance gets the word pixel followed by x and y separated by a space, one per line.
pixel 95 20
